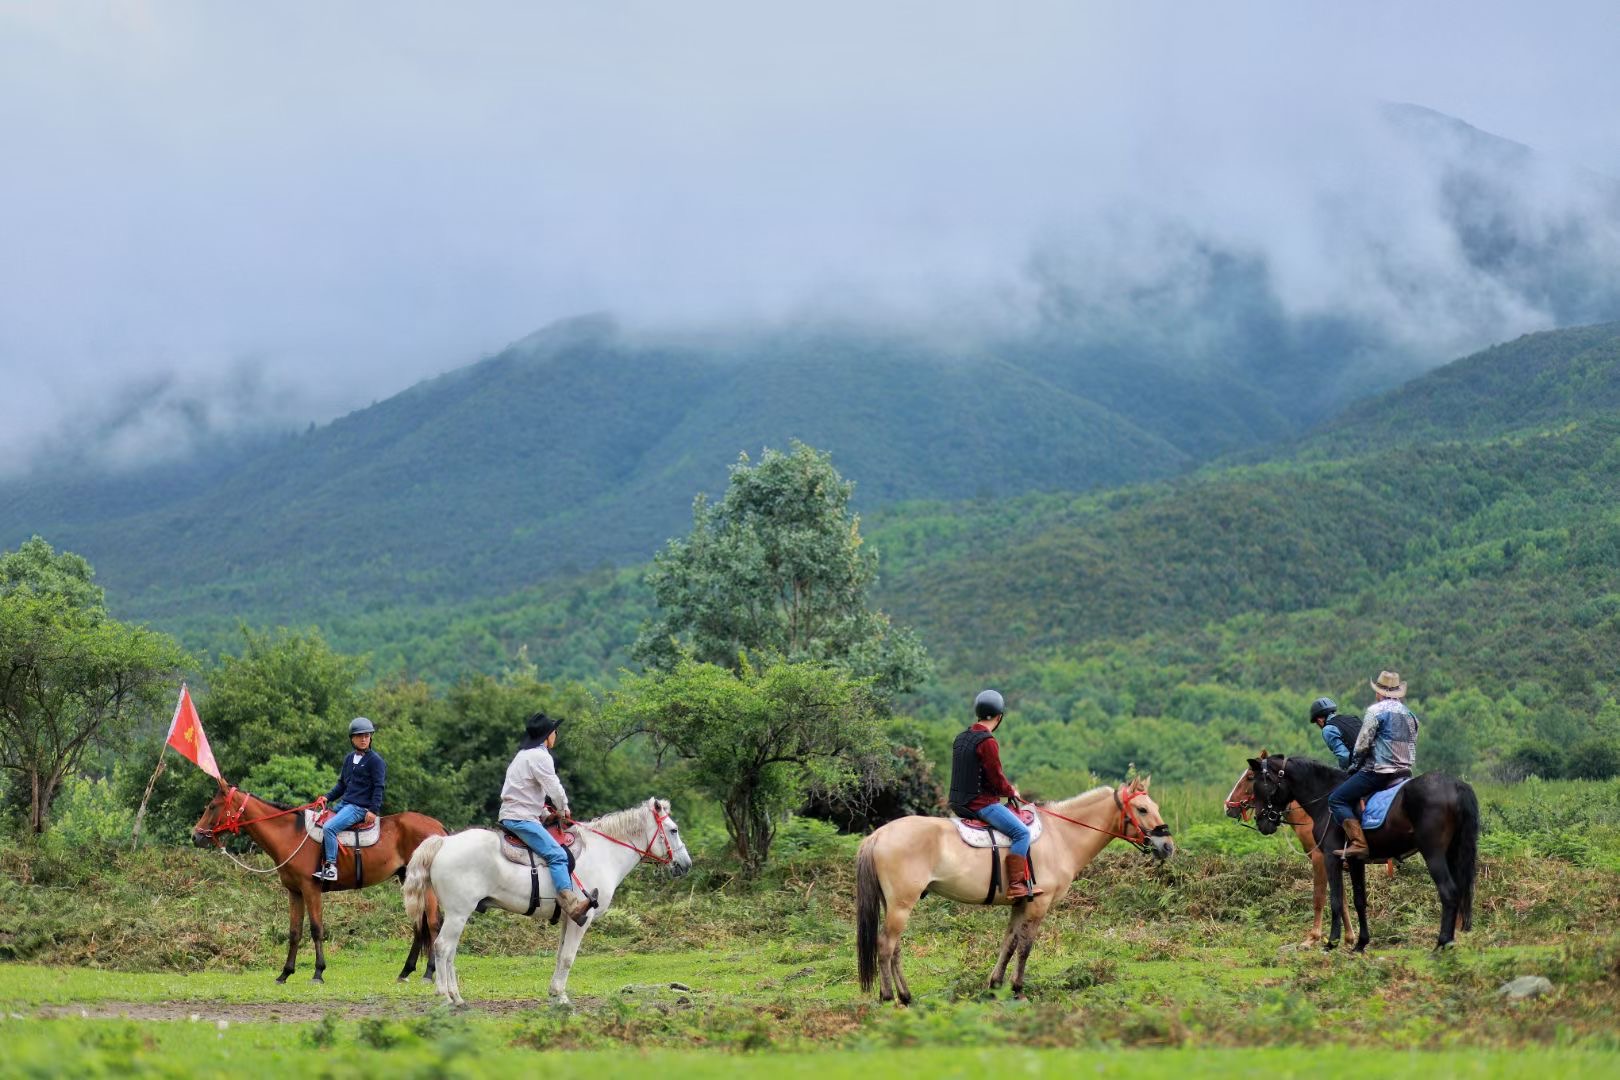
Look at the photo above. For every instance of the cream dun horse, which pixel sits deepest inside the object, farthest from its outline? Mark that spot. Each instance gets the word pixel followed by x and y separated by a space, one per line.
pixel 912 856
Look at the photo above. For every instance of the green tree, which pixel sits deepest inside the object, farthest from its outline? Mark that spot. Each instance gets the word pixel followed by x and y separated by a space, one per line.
pixel 778 567
pixel 70 677
pixel 758 740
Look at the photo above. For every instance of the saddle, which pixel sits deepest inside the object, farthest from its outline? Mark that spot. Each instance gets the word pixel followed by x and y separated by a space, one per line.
pixel 365 836
pixel 977 834
pixel 515 850
pixel 1378 805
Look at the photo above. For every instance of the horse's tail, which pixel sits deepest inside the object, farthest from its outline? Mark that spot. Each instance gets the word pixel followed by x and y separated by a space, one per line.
pixel 417 882
pixel 869 905
pixel 1462 858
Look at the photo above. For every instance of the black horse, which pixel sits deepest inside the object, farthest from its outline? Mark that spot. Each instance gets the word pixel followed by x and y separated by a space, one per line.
pixel 1434 814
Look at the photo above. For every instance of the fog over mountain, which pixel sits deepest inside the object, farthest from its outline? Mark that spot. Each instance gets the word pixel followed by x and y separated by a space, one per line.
pixel 228 220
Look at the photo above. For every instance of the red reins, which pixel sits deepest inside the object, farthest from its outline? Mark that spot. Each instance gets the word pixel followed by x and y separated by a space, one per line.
pixel 647 853
pixel 232 822
pixel 1123 800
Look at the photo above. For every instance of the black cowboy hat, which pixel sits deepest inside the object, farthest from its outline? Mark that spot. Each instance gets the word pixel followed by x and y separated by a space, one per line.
pixel 537 728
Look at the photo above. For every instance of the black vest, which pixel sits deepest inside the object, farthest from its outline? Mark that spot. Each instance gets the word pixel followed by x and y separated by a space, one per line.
pixel 967 771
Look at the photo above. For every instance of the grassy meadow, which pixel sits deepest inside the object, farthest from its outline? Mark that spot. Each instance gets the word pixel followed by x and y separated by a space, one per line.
pixel 162 962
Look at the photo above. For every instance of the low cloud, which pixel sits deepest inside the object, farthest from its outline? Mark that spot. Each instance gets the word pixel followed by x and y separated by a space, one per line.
pixel 362 197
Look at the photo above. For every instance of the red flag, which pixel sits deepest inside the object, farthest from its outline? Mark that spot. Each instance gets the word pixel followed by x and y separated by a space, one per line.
pixel 186 735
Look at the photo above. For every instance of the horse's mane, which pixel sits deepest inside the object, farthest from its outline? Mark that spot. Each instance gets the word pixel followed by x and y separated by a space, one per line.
pixel 1084 797
pixel 620 823
pixel 1315 772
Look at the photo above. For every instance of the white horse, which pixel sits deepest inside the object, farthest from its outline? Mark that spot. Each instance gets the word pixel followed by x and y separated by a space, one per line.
pixel 468 873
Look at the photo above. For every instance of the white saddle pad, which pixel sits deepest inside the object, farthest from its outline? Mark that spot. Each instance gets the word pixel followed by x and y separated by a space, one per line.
pixel 519 853
pixel 978 837
pixel 348 837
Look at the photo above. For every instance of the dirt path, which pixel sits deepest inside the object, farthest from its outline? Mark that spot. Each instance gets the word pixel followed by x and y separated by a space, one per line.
pixel 284 1011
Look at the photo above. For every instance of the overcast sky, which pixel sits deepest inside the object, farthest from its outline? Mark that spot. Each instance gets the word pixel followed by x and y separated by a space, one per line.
pixel 289 210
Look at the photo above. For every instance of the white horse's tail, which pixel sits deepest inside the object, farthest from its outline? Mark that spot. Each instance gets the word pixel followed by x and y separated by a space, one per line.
pixel 417 879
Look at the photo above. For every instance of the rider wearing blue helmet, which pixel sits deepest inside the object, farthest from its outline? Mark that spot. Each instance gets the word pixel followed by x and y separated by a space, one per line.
pixel 359 792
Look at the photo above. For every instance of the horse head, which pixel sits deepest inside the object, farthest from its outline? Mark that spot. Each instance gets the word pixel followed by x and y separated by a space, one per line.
pixel 1240 800
pixel 1142 813
pixel 218 809
pixel 680 860
pixel 1272 791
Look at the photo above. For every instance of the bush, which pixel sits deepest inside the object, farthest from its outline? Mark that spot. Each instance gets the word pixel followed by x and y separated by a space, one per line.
pixel 88 814
pixel 1594 759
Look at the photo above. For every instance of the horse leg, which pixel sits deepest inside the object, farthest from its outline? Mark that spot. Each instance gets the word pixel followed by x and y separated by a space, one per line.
pixel 1319 889
pixel 1026 941
pixel 573 934
pixel 1330 866
pixel 317 932
pixel 1446 886
pixel 1358 888
pixel 432 924
pixel 295 929
pixel 445 980
pixel 894 925
pixel 1008 944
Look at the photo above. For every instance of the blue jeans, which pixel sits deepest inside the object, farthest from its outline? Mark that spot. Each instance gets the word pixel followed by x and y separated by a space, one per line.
pixel 1004 820
pixel 1347 795
pixel 541 843
pixel 344 815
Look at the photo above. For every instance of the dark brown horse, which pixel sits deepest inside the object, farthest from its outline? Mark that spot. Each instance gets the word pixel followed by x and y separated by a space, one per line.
pixel 1241 803
pixel 279 831
pixel 1434 814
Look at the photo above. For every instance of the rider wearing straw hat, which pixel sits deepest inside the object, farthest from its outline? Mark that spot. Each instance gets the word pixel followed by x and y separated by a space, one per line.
pixel 1384 754
pixel 531 779
pixel 977 780
pixel 359 792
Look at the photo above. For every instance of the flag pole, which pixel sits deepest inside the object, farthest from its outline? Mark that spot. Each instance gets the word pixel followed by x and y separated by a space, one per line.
pixel 140 815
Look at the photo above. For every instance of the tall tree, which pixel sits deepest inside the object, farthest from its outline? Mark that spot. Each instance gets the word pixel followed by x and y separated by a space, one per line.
pixel 758 740
pixel 69 675
pixel 779 568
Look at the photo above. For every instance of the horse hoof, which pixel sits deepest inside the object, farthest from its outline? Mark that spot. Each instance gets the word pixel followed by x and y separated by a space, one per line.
pixel 283 976
pixel 317 978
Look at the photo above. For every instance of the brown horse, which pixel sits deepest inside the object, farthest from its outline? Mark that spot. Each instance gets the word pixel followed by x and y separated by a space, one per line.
pixel 912 856
pixel 1240 804
pixel 279 832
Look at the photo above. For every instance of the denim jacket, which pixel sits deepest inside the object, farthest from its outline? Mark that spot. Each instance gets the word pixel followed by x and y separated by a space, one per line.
pixel 1389 730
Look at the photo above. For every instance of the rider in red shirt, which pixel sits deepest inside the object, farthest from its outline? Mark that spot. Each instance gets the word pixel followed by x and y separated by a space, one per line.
pixel 976 783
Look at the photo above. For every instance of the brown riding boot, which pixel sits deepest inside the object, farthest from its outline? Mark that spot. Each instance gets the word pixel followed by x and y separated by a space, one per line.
pixel 576 906
pixel 1019 886
pixel 1357 847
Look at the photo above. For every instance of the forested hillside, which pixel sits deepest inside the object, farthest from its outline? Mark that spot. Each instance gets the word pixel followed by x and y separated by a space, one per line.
pixel 1179 624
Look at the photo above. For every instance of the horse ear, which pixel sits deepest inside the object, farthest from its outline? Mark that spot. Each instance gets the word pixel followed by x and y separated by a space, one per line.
pixel 1257 763
pixel 1143 782
pixel 223 786
pixel 1262 755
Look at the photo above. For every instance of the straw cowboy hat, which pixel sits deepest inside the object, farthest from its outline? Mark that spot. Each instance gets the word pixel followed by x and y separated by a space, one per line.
pixel 1389 684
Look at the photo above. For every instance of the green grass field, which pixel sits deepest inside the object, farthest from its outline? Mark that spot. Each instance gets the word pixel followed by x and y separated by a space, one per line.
pixel 163 963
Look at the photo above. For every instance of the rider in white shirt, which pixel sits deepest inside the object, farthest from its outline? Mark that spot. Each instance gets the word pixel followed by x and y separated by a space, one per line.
pixel 530 779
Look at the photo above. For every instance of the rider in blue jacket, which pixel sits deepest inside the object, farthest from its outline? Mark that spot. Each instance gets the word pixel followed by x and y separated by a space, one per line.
pixel 1339 730
pixel 359 790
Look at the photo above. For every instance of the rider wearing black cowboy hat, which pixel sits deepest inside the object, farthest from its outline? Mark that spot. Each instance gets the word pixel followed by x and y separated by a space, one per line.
pixel 531 780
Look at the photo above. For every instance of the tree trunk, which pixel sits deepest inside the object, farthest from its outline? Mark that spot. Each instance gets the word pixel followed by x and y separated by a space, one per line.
pixel 39 806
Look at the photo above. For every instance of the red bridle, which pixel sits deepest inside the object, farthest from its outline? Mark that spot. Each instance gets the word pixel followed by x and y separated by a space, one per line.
pixel 1128 821
pixel 647 852
pixel 230 821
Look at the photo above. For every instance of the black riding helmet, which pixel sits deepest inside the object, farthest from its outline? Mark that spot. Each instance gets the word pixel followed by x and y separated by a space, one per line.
pixel 1323 706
